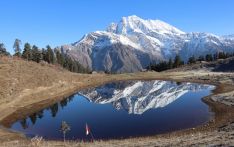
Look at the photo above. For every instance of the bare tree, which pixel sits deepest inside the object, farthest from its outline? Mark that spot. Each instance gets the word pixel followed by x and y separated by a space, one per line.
pixel 64 129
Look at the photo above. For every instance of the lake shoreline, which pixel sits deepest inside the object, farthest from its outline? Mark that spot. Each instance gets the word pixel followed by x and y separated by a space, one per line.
pixel 218 108
pixel 25 83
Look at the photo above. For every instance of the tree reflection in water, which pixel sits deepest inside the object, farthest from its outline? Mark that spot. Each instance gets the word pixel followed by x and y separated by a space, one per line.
pixel 33 118
pixel 54 109
pixel 24 123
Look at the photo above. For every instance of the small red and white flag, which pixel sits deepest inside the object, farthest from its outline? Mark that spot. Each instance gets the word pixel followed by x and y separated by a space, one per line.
pixel 87 129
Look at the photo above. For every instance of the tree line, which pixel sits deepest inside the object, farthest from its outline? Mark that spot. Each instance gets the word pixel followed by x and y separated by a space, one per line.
pixel 49 55
pixel 54 56
pixel 178 62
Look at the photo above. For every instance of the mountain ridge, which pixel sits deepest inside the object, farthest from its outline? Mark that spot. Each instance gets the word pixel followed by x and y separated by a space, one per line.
pixel 133 43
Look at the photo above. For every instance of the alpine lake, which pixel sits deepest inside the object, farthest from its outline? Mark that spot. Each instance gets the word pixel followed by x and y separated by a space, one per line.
pixel 121 110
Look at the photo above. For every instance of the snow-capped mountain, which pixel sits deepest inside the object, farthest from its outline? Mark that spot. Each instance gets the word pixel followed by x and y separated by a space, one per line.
pixel 136 97
pixel 131 44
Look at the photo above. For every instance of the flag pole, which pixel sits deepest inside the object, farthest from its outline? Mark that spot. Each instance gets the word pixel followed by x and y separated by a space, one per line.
pixel 89 132
pixel 92 136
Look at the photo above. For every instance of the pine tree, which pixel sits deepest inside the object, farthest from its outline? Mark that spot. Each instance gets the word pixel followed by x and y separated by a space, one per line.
pixel 227 55
pixel 36 54
pixel 209 58
pixel 59 57
pixel 221 55
pixel 3 50
pixel 17 48
pixel 74 66
pixel 50 55
pixel 27 52
pixel 192 60
pixel 177 61
pixel 215 56
pixel 66 64
pixel 43 54
pixel 150 67
pixel 170 64
pixel 200 58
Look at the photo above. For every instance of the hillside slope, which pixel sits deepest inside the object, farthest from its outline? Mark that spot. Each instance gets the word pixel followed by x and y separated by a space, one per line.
pixel 17 76
pixel 221 65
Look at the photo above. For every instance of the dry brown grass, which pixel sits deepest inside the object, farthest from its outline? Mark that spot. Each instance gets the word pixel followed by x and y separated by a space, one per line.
pixel 221 137
pixel 26 85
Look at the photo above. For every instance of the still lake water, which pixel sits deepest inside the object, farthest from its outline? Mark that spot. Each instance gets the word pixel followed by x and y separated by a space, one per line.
pixel 121 110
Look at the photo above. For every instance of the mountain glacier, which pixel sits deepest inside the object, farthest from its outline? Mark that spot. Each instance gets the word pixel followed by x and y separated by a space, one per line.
pixel 133 43
pixel 136 97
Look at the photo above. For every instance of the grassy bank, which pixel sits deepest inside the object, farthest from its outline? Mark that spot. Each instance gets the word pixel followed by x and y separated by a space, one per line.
pixel 26 87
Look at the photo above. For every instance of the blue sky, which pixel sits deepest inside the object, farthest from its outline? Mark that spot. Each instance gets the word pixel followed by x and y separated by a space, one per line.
pixel 58 22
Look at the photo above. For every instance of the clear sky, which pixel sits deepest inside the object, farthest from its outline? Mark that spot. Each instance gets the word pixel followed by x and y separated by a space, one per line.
pixel 58 22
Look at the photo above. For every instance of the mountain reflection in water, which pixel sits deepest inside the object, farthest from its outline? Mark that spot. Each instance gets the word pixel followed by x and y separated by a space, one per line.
pixel 136 97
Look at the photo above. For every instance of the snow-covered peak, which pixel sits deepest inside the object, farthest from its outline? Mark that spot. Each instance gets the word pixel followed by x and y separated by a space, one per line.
pixel 133 43
pixel 133 23
pixel 104 38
